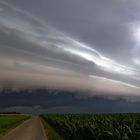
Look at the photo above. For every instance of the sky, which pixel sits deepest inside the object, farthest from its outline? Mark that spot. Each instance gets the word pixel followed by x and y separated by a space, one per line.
pixel 88 46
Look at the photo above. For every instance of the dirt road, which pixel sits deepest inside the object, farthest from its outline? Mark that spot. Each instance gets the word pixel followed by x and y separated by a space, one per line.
pixel 29 130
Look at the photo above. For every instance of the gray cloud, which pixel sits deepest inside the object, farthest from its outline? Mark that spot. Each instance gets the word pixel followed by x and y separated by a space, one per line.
pixel 88 47
pixel 49 101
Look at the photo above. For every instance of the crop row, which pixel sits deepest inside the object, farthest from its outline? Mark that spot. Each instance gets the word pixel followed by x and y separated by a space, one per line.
pixel 97 127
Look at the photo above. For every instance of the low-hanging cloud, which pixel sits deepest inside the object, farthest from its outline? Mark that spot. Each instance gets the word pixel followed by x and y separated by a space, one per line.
pixel 34 54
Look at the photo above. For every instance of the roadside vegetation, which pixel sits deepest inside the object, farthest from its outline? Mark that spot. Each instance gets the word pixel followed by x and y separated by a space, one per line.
pixel 50 132
pixel 96 127
pixel 9 121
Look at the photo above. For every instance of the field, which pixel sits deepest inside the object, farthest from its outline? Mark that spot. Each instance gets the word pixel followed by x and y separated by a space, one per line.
pixel 93 127
pixel 10 121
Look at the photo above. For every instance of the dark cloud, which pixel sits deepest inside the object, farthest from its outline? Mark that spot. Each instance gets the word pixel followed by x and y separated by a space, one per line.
pixel 77 44
pixel 54 101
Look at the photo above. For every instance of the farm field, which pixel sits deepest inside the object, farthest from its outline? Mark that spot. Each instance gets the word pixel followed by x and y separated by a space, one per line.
pixel 7 122
pixel 93 127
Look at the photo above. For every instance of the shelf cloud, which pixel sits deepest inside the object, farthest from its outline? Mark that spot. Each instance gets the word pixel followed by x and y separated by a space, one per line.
pixel 96 49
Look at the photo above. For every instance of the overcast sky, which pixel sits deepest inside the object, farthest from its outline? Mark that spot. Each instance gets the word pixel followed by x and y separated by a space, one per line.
pixel 83 45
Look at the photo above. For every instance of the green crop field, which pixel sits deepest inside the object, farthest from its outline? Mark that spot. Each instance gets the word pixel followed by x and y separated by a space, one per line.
pixel 93 127
pixel 10 121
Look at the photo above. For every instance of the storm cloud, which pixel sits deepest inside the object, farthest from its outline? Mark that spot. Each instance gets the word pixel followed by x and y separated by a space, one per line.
pixel 74 45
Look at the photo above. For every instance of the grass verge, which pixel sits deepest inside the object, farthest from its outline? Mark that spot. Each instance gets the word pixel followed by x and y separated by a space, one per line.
pixel 50 132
